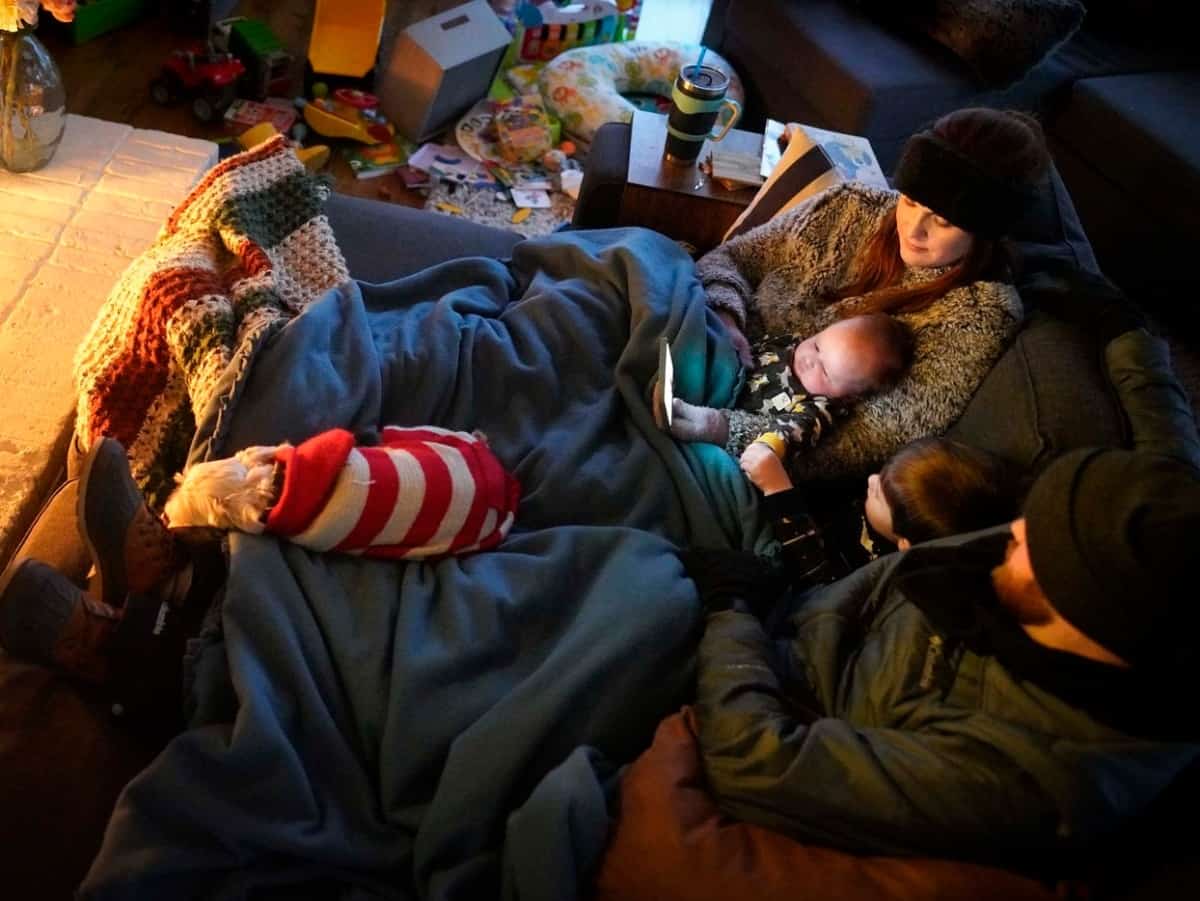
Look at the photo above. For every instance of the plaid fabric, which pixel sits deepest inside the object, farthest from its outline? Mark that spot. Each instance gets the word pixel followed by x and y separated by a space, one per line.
pixel 246 251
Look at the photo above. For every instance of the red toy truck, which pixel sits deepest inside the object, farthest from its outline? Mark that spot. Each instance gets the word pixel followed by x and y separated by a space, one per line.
pixel 208 77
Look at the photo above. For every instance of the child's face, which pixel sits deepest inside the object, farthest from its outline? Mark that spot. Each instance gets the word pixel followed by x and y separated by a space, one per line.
pixel 839 361
pixel 878 511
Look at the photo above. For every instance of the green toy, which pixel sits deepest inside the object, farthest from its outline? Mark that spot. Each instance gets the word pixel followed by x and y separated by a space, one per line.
pixel 268 63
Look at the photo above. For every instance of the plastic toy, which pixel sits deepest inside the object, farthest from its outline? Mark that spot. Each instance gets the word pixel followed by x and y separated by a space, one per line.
pixel 522 129
pixel 542 30
pixel 548 29
pixel 345 36
pixel 268 64
pixel 314 158
pixel 209 77
pixel 349 114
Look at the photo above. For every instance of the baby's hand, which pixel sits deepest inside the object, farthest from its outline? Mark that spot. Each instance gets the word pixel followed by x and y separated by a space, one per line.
pixel 764 468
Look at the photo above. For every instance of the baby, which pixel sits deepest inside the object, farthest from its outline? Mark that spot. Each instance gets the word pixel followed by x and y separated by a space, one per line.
pixel 799 387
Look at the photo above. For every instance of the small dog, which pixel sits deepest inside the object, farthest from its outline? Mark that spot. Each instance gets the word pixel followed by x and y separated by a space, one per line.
pixel 233 493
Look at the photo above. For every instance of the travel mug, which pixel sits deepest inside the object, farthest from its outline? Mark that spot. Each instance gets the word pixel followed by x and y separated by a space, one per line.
pixel 697 98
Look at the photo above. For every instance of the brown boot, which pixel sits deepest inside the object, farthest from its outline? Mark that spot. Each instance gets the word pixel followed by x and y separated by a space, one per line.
pixel 46 618
pixel 131 548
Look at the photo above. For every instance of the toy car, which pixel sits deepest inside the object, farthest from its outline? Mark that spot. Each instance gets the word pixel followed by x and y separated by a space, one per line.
pixel 268 64
pixel 208 77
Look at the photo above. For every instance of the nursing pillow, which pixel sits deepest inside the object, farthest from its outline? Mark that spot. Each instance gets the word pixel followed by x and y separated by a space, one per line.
pixel 583 86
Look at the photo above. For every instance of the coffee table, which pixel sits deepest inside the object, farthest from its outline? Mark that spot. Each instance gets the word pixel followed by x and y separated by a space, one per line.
pixel 66 233
pixel 681 201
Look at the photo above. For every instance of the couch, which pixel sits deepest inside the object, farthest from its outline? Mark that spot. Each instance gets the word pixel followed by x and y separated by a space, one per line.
pixel 65 758
pixel 1120 101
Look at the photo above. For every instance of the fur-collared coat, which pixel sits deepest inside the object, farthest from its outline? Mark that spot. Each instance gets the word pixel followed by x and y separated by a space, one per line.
pixel 773 279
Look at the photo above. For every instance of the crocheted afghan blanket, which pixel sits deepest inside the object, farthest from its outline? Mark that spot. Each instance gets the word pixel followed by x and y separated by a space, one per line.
pixel 245 252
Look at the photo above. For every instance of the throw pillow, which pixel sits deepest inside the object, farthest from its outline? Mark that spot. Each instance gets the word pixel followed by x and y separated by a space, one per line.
pixel 1000 40
pixel 669 840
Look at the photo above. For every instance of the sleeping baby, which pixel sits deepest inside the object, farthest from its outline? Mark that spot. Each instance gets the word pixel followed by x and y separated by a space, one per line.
pixel 790 401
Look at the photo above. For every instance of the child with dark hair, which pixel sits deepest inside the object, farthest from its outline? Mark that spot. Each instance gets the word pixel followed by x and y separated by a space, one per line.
pixel 931 488
pixel 935 487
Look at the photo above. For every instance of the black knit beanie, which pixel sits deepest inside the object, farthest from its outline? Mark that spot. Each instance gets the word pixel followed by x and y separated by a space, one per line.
pixel 1112 538
pixel 938 176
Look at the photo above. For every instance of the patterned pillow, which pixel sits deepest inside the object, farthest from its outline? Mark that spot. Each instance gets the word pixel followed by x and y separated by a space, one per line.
pixel 1000 40
pixel 583 86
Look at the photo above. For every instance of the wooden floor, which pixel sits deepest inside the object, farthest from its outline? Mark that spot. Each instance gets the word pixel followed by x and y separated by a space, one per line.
pixel 109 76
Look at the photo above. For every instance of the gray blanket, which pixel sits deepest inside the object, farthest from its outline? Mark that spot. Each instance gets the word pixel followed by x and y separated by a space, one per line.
pixel 372 729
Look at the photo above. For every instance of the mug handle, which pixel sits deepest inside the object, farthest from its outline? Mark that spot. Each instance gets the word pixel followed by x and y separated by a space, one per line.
pixel 735 113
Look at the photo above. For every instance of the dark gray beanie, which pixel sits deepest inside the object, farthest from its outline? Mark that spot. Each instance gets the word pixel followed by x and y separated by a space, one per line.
pixel 1112 540
pixel 939 176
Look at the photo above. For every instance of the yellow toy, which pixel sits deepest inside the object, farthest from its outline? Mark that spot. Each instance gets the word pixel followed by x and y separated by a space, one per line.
pixel 345 36
pixel 314 158
pixel 348 114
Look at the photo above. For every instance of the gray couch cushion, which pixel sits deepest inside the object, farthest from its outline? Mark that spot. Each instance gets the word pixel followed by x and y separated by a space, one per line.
pixel 383 241
pixel 1047 394
pixel 1143 132
pixel 861 66
pixel 856 76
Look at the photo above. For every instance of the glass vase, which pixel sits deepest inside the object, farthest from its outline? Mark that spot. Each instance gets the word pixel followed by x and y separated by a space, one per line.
pixel 33 103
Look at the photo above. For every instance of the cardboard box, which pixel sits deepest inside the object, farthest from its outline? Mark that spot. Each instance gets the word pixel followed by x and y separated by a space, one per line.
pixel 439 67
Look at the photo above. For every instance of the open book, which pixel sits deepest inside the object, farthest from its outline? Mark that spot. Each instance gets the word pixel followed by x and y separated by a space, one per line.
pixel 814 159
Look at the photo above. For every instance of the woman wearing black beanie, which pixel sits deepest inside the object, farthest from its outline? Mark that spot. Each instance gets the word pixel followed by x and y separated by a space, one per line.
pixel 930 253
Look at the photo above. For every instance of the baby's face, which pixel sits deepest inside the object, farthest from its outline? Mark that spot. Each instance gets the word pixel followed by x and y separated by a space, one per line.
pixel 839 361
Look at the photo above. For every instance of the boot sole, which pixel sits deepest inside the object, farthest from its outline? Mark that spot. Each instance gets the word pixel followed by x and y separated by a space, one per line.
pixel 110 582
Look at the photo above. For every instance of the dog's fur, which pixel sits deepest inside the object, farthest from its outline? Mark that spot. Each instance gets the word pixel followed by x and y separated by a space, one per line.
pixel 233 493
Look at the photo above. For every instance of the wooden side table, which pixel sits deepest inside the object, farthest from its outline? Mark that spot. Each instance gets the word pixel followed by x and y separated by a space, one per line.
pixel 681 201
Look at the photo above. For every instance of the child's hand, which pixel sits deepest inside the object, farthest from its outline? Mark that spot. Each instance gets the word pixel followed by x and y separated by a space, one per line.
pixel 765 469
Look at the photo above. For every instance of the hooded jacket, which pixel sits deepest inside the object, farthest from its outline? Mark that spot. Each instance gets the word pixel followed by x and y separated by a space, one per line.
pixel 907 713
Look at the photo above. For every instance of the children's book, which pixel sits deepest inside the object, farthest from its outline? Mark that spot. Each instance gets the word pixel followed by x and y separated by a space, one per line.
pixel 450 164
pixel 813 160
pixel 373 160
pixel 413 179
pixel 852 155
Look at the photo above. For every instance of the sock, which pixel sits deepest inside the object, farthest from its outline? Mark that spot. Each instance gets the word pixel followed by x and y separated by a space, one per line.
pixel 692 423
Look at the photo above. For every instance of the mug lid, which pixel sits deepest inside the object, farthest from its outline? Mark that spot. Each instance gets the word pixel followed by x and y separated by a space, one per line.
pixel 704 78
